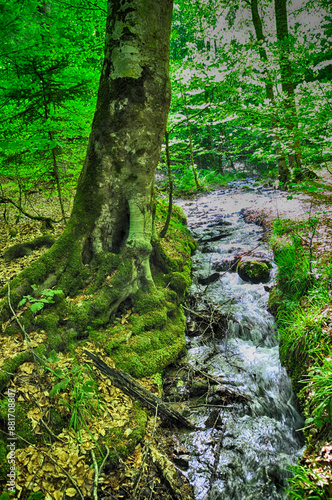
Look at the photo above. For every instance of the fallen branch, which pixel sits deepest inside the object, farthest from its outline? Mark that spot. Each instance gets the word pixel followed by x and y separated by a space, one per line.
pixel 48 220
pixel 129 386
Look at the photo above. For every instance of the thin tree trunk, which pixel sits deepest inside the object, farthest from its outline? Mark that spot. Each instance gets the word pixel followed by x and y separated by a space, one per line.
pixel 283 171
pixel 211 154
pixel 163 232
pixel 287 85
pixel 57 180
pixel 220 153
pixel 191 149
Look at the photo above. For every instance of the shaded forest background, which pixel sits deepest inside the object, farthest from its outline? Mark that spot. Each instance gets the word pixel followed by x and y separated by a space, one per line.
pixel 223 120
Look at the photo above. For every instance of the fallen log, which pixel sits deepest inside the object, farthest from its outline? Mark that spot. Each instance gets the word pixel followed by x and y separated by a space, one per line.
pixel 129 386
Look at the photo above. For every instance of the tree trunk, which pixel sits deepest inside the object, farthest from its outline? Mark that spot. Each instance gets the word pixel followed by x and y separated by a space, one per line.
pixel 283 171
pixel 163 232
pixel 191 147
pixel 294 158
pixel 113 209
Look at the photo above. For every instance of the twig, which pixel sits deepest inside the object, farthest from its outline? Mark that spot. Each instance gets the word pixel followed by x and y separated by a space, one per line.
pixel 26 336
pixel 211 406
pixel 47 220
pixel 98 471
pixel 95 482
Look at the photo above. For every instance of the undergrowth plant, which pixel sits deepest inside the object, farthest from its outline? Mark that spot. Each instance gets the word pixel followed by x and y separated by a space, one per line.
pixel 46 297
pixel 304 295
pixel 79 394
pixel 306 484
pixel 320 386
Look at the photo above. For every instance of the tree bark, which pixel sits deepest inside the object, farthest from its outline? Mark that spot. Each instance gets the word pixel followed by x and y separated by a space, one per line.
pixel 294 157
pixel 127 132
pixel 283 171
pixel 163 232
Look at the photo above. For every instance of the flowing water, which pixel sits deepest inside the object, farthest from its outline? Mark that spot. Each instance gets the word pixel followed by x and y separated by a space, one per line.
pixel 245 453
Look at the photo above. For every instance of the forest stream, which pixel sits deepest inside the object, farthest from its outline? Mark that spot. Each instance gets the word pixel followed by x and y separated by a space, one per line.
pixel 247 411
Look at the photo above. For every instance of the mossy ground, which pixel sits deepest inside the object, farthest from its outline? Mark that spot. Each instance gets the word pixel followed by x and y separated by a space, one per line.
pixel 142 337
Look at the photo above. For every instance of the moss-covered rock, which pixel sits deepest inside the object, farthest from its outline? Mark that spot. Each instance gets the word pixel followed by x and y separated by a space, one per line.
pixel 254 271
pixel 275 300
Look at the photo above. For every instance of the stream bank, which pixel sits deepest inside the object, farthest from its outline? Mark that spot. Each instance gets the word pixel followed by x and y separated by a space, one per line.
pixel 231 377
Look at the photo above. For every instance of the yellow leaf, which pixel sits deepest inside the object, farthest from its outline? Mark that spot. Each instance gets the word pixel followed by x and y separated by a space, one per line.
pixel 27 367
pixel 71 492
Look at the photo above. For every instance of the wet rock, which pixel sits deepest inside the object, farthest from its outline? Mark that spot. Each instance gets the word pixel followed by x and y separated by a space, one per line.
pixel 262 257
pixel 207 249
pixel 182 461
pixel 254 270
pixel 216 237
pixel 220 222
pixel 226 264
pixel 207 281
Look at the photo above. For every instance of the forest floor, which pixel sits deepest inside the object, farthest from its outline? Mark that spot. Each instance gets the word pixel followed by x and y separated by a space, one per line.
pixel 139 476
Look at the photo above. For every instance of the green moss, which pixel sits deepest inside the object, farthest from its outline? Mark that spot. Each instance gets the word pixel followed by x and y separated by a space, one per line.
pixel 147 302
pixel 10 366
pixel 180 282
pixel 104 265
pixel 254 271
pixel 275 300
pixel 148 351
pixel 4 465
pixel 22 424
pixel 48 322
pixel 56 421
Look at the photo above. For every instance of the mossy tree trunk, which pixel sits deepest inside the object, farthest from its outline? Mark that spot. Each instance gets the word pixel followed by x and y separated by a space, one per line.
pixel 283 171
pixel 113 212
pixel 295 155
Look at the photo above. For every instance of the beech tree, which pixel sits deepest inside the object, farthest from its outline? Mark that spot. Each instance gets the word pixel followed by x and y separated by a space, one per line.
pixel 110 236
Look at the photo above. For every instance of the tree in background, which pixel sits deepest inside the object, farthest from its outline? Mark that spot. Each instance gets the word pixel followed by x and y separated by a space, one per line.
pixel 294 153
pixel 48 76
pixel 283 171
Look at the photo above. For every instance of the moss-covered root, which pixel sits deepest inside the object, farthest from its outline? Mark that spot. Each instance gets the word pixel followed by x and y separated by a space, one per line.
pixel 10 366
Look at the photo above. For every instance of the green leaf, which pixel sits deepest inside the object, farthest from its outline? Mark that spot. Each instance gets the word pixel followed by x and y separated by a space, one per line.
pixel 36 306
pixel 63 384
